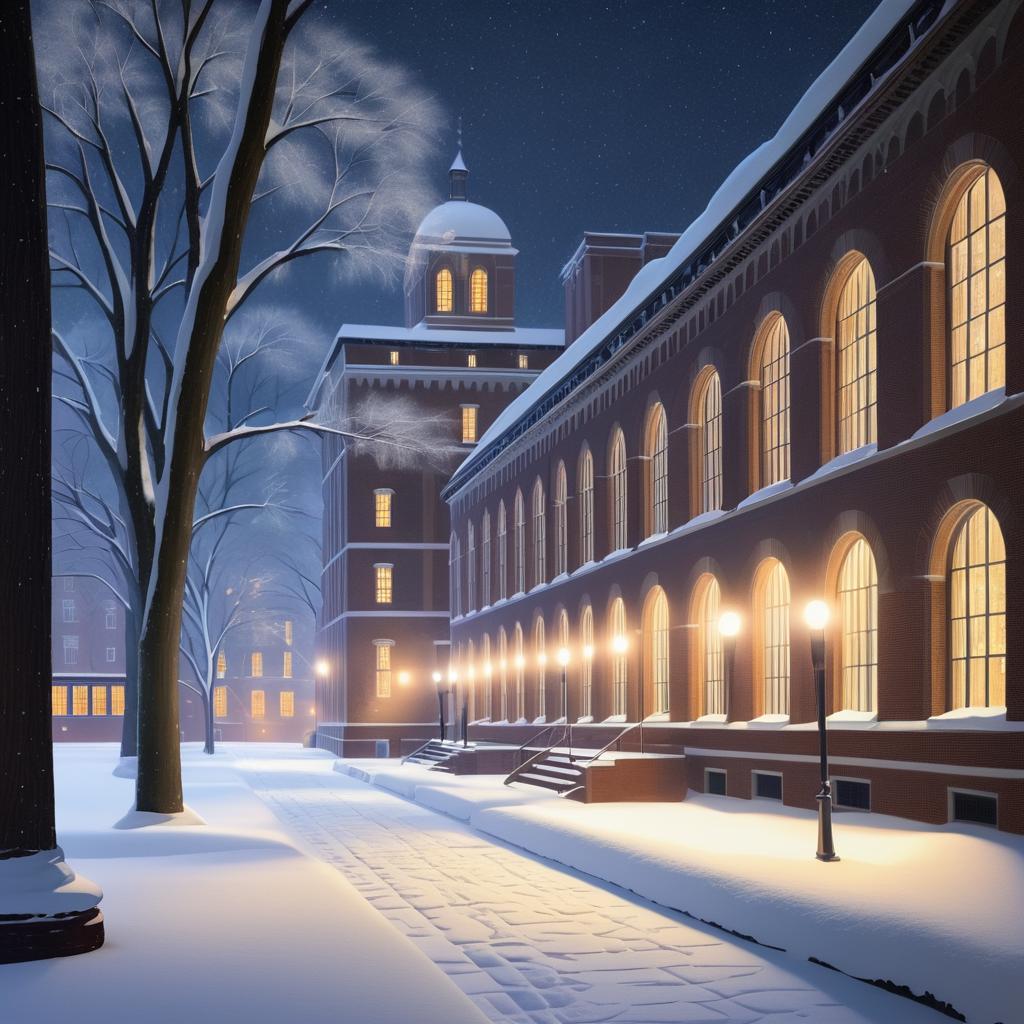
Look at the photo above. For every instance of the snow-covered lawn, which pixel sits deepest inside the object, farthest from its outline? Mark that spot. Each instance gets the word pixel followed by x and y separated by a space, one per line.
pixel 938 910
pixel 223 922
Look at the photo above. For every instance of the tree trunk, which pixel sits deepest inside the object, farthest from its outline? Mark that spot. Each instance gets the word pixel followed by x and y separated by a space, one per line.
pixel 208 719
pixel 130 723
pixel 158 785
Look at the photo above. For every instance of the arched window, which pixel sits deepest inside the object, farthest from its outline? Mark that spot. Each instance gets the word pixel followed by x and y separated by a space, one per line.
pixel 470 568
pixel 502 553
pixel 503 672
pixel 709 423
pixel 655 652
pixel 443 291
pixel 455 575
pixel 487 674
pixel 478 291
pixel 976 272
pixel 467 674
pixel 772 624
pixel 519 666
pixel 540 536
pixel 710 663
pixel 620 664
pixel 977 612
pixel 541 659
pixel 485 560
pixel 773 373
pixel 858 609
pixel 855 359
pixel 586 662
pixel 561 521
pixel 519 543
pixel 617 481
pixel 656 470
pixel 585 496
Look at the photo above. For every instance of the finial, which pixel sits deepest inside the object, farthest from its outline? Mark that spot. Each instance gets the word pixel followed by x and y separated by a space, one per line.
pixel 460 132
pixel 458 173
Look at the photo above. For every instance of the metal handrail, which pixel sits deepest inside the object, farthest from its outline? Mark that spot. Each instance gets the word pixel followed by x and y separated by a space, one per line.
pixel 530 761
pixel 616 741
pixel 422 746
pixel 532 740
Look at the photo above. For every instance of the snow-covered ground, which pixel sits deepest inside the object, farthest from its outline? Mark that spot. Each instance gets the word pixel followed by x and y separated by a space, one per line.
pixel 938 910
pixel 227 921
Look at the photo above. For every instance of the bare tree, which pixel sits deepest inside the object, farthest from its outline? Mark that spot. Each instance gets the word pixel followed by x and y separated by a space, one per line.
pixel 223 112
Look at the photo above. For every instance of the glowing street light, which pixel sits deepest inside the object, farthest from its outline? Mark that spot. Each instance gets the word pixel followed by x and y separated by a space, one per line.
pixel 563 656
pixel 588 652
pixel 816 615
pixel 563 661
pixel 403 678
pixel 322 668
pixel 436 676
pixel 729 624
pixel 620 644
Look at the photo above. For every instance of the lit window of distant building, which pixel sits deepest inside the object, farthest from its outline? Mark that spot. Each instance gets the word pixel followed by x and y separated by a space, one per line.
pixel 617 474
pixel 383 582
pixel 858 606
pixel 383 667
pixel 59 700
pixel 111 655
pixel 68 609
pixel 470 567
pixel 222 665
pixel 855 356
pixel 524 361
pixel 471 360
pixel 99 700
pixel 710 660
pixel 220 702
pixel 519 543
pixel 71 650
pixel 393 357
pixel 585 491
pixel 256 664
pixel 620 662
pixel 709 420
pixel 469 423
pixel 772 605
pixel 287 704
pixel 485 559
pixel 286 668
pixel 443 291
pixel 656 466
pixel 381 508
pixel 478 291
pixel 79 700
pixel 117 700
pixel 502 553
pixel 288 632
pixel 773 373
pixel 258 703
pixel 540 536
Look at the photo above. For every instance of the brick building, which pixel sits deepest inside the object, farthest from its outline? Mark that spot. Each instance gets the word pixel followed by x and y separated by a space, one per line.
pixel 460 356
pixel 816 394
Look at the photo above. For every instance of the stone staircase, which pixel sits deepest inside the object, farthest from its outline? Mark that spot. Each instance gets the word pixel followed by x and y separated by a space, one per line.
pixel 435 755
pixel 550 769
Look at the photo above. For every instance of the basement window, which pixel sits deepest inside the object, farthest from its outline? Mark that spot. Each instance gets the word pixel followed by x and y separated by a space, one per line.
pixel 768 785
pixel 714 781
pixel 852 793
pixel 976 808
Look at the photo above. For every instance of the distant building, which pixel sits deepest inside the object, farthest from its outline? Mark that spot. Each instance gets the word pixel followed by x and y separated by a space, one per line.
pixel 384 624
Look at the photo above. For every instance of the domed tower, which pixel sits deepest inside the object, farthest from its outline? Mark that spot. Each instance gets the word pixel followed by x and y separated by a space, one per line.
pixel 462 266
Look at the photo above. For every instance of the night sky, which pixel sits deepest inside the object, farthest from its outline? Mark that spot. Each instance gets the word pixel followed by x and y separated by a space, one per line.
pixel 623 115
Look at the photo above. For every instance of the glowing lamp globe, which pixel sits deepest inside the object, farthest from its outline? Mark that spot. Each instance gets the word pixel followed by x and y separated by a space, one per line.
pixel 729 624
pixel 563 656
pixel 816 615
pixel 619 644
pixel 436 676
pixel 322 667
pixel 403 678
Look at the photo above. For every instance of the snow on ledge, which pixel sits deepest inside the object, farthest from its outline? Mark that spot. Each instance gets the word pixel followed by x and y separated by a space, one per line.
pixel 983 403
pixel 768 722
pixel 848 719
pixel 842 461
pixel 765 493
pixel 143 819
pixel 658 716
pixel 585 720
pixel 709 720
pixel 974 718
pixel 615 718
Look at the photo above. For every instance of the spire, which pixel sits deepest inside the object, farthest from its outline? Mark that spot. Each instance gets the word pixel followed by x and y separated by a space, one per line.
pixel 458 172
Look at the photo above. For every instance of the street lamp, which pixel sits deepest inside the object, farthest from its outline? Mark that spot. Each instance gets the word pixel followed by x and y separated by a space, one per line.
pixel 563 661
pixel 470 682
pixel 436 676
pixel 453 692
pixel 816 615
pixel 322 667
pixel 728 627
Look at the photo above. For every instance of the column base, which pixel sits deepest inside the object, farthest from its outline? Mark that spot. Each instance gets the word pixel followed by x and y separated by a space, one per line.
pixel 66 935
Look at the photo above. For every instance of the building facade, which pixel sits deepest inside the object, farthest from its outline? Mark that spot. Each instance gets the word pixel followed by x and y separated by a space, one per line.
pixel 817 394
pixel 455 365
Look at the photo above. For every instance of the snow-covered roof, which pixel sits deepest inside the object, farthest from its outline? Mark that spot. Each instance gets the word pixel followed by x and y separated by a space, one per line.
pixel 458 164
pixel 720 210
pixel 517 337
pixel 461 221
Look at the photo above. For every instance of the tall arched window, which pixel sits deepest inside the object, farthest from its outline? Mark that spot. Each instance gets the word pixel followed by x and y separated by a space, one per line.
pixel 519 543
pixel 655 652
pixel 586 662
pixel 503 672
pixel 709 423
pixel 561 521
pixel 485 560
pixel 455 575
pixel 710 663
pixel 656 470
pixel 620 663
pixel 772 605
pixel 478 291
pixel 858 609
pixel 855 359
pixel 502 553
pixel 617 482
pixel 443 291
pixel 773 373
pixel 585 496
pixel 977 612
pixel 976 272
pixel 519 667
pixel 541 660
pixel 486 676
pixel 540 536
pixel 467 674
pixel 470 567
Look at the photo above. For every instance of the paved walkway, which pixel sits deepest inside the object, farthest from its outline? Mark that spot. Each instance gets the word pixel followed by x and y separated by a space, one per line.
pixel 532 943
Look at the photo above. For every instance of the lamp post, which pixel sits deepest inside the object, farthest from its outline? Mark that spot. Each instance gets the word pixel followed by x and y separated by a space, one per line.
pixel 563 661
pixel 453 692
pixel 619 647
pixel 816 616
pixel 466 686
pixel 728 627
pixel 436 676
pixel 322 667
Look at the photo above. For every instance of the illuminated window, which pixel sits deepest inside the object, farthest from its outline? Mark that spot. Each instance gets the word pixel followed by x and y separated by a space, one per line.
pixel 540 657
pixel 977 613
pixel 617 479
pixel 773 626
pixel 710 663
pixel 59 700
pixel 220 702
pixel 540 535
pixel 256 664
pixel 976 271
pixel 455 574
pixel 855 355
pixel 503 672
pixel 258 704
pixel 443 296
pixel 519 663
pixel 286 668
pixel 71 650
pixel 470 568
pixel 485 560
pixel 502 553
pixel 222 664
pixel 382 582
pixel 620 665
pixel 99 700
pixel 656 470
pixel 561 521
pixel 709 413
pixel 382 507
pixel 117 700
pixel 585 493
pixel 487 699
pixel 289 633
pixel 586 662
pixel 774 376
pixel 478 291
pixel 471 360
pixel 858 607
pixel 656 648
pixel 393 357
pixel 383 667
pixel 286 704
pixel 469 423
pixel 79 700
pixel 519 543
pixel 524 361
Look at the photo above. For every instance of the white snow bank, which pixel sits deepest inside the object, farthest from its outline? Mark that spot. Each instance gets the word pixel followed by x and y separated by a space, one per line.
pixel 44 884
pixel 144 819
